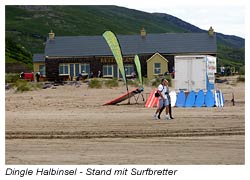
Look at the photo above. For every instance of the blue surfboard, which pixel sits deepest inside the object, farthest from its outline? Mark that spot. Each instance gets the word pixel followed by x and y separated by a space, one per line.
pixel 180 101
pixel 190 99
pixel 219 98
pixel 209 99
pixel 200 99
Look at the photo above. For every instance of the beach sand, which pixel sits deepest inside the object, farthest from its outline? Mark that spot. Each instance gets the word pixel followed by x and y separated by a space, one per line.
pixel 69 125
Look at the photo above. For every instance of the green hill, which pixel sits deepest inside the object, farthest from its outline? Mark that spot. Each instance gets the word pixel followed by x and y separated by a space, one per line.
pixel 16 53
pixel 28 27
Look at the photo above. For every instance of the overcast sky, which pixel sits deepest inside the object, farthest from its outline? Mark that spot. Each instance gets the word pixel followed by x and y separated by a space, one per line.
pixel 225 16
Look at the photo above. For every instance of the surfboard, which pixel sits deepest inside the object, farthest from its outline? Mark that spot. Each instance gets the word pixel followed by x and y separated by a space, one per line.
pixel 124 97
pixel 173 95
pixel 180 101
pixel 200 99
pixel 190 99
pixel 209 99
pixel 152 100
pixel 219 98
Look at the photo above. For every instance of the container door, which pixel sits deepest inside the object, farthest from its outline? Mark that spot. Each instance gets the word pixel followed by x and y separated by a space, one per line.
pixel 182 74
pixel 198 74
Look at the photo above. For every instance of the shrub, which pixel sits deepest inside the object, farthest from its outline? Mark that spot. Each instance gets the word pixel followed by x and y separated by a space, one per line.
pixel 22 85
pixel 95 83
pixel 242 70
pixel 241 78
pixel 156 82
pixel 111 83
pixel 145 81
pixel 11 78
pixel 132 82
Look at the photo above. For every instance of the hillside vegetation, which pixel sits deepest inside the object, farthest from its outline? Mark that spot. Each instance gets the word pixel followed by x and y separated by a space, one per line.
pixel 15 53
pixel 28 27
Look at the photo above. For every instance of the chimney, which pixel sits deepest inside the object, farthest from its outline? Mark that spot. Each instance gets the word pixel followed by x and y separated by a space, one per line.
pixel 211 31
pixel 51 35
pixel 143 33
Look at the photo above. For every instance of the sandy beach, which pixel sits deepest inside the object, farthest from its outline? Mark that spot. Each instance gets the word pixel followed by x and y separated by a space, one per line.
pixel 70 125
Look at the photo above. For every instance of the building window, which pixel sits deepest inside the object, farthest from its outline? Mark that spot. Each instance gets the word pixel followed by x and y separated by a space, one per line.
pixel 85 67
pixel 108 70
pixel 42 69
pixel 63 69
pixel 157 68
pixel 129 69
pixel 77 68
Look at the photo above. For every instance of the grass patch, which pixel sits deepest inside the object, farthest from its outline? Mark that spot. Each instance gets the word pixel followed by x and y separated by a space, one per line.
pixel 11 78
pixel 242 71
pixel 111 83
pixel 133 83
pixel 95 83
pixel 145 81
pixel 241 78
pixel 23 85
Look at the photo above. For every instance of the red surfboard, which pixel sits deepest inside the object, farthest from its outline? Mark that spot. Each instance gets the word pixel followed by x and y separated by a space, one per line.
pixel 124 97
pixel 152 100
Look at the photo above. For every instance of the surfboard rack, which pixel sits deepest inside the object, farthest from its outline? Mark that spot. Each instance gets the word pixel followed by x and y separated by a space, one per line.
pixel 128 95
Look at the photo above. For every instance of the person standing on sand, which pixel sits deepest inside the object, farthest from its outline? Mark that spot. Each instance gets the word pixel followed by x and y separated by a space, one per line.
pixel 169 100
pixel 163 100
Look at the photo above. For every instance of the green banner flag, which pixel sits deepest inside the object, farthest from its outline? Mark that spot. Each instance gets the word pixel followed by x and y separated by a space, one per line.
pixel 138 67
pixel 115 48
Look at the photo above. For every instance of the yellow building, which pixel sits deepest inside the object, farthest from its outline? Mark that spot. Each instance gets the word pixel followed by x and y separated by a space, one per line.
pixel 39 64
pixel 157 65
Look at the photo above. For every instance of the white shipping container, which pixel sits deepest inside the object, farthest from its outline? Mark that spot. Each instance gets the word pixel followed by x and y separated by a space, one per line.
pixel 191 72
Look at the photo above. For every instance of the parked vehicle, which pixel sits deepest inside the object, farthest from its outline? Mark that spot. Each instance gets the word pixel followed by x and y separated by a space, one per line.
pixel 27 76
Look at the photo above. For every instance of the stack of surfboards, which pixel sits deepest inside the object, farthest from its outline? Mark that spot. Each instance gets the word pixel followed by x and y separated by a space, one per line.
pixel 200 99
pixel 192 99
pixel 152 101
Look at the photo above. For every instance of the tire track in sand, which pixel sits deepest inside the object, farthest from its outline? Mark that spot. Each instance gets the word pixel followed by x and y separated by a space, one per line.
pixel 123 133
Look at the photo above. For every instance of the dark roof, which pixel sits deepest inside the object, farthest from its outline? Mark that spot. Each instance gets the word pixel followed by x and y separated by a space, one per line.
pixel 168 43
pixel 38 58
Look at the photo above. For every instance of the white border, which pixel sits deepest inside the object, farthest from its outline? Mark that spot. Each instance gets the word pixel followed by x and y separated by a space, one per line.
pixel 191 171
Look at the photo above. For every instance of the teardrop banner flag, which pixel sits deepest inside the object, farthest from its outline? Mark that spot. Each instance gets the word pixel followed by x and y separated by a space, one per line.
pixel 116 50
pixel 138 67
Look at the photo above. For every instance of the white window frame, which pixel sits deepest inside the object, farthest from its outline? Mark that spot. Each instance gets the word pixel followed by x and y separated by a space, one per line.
pixel 105 73
pixel 64 65
pixel 80 69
